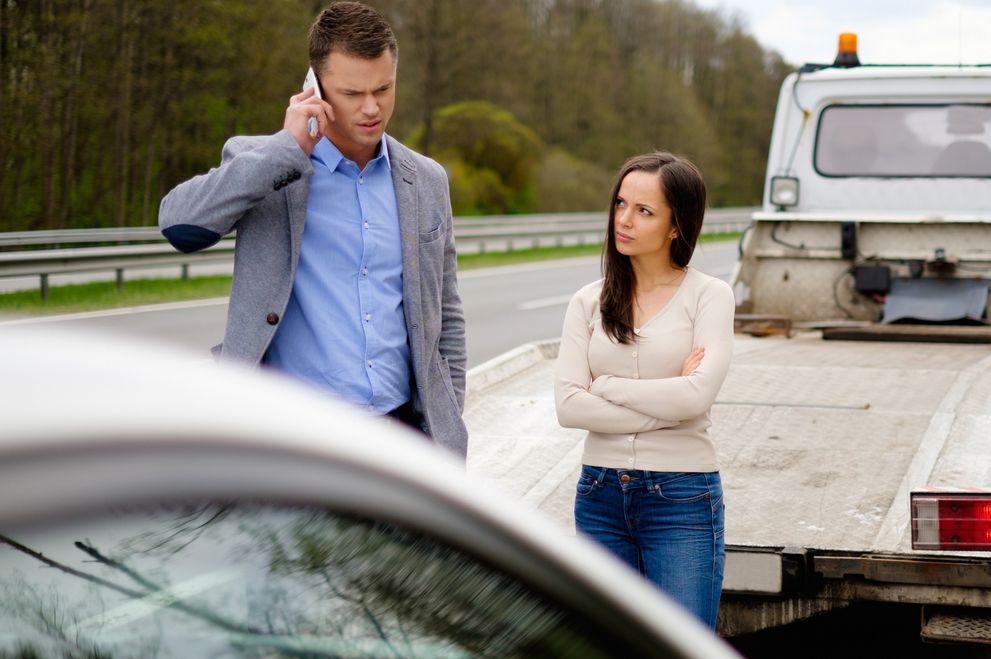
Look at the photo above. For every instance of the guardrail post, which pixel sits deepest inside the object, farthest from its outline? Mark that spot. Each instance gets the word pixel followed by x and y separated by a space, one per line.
pixel 120 278
pixel 44 286
pixel 185 271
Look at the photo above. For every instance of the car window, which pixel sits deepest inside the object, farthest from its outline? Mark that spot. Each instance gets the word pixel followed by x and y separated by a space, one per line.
pixel 904 141
pixel 259 580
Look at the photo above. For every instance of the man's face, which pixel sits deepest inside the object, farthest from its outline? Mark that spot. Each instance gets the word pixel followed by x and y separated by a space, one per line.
pixel 362 93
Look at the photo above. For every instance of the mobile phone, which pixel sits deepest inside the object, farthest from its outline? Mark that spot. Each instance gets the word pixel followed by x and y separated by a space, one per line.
pixel 311 80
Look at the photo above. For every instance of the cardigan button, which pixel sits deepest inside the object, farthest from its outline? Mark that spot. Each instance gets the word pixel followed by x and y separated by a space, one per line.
pixel 272 319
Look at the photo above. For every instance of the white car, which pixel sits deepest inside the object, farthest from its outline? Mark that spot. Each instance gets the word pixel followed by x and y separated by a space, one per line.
pixel 153 507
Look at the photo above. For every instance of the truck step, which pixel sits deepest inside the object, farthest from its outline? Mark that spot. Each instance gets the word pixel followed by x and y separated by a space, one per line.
pixel 970 626
pixel 911 333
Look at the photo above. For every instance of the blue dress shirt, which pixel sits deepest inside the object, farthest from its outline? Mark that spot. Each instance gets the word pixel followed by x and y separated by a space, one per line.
pixel 344 329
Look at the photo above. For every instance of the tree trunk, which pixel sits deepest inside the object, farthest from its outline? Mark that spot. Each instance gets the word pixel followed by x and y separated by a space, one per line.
pixel 70 141
pixel 123 160
pixel 46 120
pixel 431 84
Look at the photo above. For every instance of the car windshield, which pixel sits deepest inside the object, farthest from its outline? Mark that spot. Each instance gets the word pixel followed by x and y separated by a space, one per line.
pixel 257 580
pixel 904 141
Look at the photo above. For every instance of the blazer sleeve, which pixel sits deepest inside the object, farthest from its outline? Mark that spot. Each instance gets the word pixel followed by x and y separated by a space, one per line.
pixel 199 212
pixel 688 396
pixel 576 406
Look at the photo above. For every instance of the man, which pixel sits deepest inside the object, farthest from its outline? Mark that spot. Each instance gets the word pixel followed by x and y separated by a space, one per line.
pixel 344 272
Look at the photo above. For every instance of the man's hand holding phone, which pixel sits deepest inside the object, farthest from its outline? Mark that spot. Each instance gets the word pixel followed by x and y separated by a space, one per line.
pixel 308 115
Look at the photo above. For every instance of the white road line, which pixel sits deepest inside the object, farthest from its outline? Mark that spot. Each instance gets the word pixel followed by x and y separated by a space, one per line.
pixel 552 264
pixel 557 300
pixel 171 306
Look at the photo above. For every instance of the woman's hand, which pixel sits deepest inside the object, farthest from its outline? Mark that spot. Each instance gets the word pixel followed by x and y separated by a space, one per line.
pixel 692 361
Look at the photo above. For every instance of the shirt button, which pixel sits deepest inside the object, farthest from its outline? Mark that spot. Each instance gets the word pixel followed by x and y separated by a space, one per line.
pixel 629 439
pixel 368 317
pixel 630 460
pixel 361 180
pixel 636 376
pixel 369 363
pixel 366 225
pixel 634 354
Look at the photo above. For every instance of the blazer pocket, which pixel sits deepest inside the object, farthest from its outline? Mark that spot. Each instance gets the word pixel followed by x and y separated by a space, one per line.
pixel 433 235
pixel 445 373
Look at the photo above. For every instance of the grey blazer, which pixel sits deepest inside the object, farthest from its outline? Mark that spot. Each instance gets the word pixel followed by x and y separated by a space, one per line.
pixel 260 190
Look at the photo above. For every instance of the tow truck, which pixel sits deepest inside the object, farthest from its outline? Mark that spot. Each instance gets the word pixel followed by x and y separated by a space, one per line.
pixel 854 427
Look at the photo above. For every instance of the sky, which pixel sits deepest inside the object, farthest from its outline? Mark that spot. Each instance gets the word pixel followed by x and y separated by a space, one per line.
pixel 888 31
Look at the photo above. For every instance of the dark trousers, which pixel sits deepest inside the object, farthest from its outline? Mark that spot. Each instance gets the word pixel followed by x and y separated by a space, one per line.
pixel 406 415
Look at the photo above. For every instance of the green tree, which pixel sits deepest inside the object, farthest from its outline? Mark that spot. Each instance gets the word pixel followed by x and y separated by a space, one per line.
pixel 105 105
pixel 491 157
pixel 566 183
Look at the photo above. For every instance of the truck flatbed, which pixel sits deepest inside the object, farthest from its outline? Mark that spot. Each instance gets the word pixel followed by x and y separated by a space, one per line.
pixel 819 442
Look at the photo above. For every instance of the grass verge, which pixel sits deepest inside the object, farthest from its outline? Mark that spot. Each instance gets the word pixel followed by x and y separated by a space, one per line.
pixel 105 295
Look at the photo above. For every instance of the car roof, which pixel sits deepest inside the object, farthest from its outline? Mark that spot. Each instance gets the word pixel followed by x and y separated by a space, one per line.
pixel 104 419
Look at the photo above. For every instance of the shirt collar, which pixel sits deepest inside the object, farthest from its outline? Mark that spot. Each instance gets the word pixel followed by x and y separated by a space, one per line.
pixel 327 153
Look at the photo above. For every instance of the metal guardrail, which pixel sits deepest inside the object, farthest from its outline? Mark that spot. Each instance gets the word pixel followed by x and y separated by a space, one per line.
pixel 144 247
pixel 508 232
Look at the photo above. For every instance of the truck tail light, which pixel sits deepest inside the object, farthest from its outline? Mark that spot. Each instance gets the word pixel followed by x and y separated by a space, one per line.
pixel 958 521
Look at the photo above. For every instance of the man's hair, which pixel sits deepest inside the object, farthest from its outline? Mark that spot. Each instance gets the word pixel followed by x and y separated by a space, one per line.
pixel 353 29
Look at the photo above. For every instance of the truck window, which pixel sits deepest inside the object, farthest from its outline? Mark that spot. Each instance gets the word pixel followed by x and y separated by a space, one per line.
pixel 904 141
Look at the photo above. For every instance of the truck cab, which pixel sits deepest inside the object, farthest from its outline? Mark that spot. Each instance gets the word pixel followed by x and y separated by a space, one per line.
pixel 877 200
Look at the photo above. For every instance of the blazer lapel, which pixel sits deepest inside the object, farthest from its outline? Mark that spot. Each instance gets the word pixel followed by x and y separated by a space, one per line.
pixel 405 183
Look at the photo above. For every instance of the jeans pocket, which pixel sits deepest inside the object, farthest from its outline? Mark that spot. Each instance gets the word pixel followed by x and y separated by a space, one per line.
pixel 685 488
pixel 586 485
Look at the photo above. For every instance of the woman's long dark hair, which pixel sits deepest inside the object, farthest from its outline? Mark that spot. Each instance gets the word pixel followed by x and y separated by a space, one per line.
pixel 684 191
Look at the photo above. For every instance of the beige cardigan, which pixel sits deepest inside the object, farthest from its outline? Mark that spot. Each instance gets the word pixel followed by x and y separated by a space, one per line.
pixel 639 411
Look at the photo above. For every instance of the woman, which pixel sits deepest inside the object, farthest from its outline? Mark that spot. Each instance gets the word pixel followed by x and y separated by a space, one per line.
pixel 643 353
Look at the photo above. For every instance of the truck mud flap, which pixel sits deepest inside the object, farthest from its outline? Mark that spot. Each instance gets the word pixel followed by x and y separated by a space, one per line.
pixel 936 299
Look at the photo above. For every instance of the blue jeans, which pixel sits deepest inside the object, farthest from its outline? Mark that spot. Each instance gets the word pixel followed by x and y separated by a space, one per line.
pixel 667 525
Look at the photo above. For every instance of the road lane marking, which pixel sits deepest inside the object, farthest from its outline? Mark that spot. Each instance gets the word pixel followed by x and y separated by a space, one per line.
pixel 557 300
pixel 475 273
pixel 169 306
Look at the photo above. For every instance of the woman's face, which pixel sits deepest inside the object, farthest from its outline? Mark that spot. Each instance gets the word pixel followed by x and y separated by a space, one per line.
pixel 642 218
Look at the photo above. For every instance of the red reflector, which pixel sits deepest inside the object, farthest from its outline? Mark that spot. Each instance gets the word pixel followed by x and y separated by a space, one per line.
pixel 958 521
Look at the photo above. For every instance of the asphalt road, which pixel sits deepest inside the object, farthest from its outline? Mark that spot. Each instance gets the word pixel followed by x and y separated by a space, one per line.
pixel 504 307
